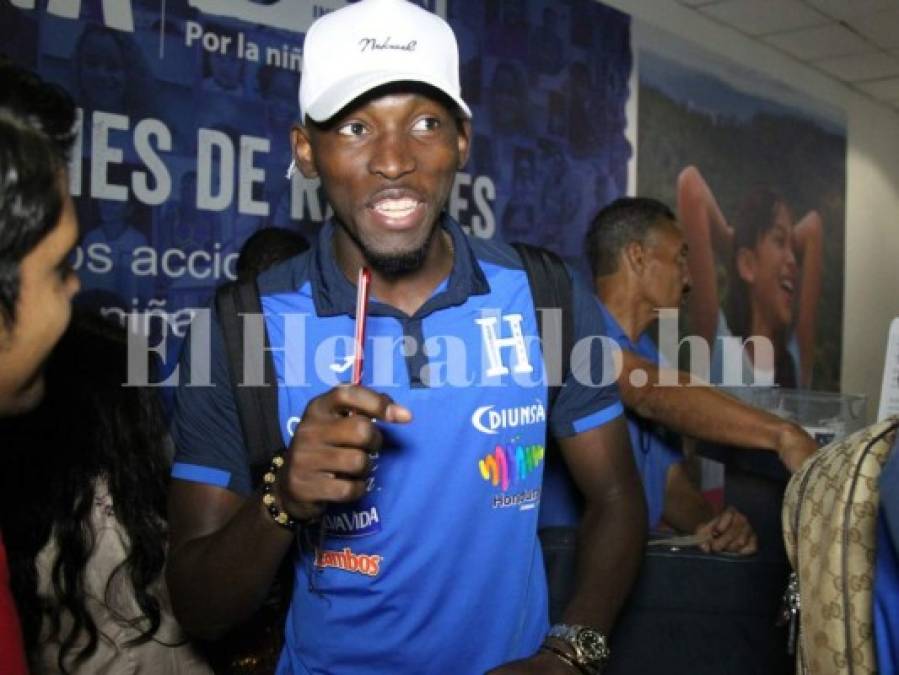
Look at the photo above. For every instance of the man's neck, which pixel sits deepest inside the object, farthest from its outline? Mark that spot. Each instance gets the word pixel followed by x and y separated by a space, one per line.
pixel 630 311
pixel 406 292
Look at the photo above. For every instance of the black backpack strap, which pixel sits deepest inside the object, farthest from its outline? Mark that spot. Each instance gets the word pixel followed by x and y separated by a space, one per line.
pixel 551 289
pixel 257 406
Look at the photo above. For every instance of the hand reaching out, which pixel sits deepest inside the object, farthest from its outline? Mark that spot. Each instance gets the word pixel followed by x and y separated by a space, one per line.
pixel 794 447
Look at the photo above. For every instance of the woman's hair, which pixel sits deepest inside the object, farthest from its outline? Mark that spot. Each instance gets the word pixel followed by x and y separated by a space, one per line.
pixel 754 219
pixel 89 426
pixel 36 122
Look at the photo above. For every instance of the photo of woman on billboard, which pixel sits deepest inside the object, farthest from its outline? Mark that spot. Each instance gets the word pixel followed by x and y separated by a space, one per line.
pixel 773 263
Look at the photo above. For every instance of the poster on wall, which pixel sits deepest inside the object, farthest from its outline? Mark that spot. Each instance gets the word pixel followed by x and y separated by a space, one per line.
pixel 548 85
pixel 757 174
pixel 186 107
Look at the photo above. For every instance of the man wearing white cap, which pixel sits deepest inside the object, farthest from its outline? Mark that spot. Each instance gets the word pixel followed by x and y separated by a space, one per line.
pixel 415 493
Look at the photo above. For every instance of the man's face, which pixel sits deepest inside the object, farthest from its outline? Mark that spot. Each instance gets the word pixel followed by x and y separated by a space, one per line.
pixel 665 275
pixel 46 286
pixel 387 166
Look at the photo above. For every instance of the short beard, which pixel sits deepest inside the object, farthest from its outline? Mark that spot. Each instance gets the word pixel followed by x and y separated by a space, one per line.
pixel 394 265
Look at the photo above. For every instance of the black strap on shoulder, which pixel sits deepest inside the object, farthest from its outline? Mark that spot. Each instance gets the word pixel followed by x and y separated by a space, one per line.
pixel 257 406
pixel 551 289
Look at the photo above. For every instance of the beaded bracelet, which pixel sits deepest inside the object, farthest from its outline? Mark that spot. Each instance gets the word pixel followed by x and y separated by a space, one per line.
pixel 280 517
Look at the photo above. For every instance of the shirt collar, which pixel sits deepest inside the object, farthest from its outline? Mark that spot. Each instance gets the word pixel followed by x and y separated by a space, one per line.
pixel 613 328
pixel 644 346
pixel 334 294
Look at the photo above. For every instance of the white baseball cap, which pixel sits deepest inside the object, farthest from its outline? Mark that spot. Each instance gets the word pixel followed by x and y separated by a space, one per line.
pixel 372 43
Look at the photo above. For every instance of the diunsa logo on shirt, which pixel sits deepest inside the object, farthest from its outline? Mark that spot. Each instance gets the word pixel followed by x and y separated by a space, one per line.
pixel 488 420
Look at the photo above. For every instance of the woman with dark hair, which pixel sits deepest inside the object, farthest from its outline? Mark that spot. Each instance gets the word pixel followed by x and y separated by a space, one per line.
pixel 773 283
pixel 82 508
pixel 38 229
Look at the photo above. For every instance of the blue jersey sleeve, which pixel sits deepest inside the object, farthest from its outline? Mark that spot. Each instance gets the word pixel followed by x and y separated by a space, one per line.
pixel 209 445
pixel 589 395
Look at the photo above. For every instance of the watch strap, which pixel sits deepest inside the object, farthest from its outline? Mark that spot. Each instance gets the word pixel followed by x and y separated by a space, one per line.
pixel 566 658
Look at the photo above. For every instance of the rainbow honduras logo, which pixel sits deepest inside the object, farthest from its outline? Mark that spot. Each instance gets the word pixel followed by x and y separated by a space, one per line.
pixel 509 464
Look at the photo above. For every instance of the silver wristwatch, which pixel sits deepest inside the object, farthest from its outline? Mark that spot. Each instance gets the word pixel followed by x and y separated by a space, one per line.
pixel 591 649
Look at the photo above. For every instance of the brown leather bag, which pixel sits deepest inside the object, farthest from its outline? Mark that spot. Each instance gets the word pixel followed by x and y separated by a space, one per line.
pixel 829 519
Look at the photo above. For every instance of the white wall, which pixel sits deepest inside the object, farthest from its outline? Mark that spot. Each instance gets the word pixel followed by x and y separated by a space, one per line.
pixel 871 294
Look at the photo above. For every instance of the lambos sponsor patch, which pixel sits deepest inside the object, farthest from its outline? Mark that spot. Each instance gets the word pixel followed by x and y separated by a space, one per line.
pixel 346 560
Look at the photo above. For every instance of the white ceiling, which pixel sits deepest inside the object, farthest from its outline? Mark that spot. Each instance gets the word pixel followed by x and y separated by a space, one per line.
pixel 853 41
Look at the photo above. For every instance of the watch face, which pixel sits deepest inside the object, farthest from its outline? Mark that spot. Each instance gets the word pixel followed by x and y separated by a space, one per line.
pixel 592 644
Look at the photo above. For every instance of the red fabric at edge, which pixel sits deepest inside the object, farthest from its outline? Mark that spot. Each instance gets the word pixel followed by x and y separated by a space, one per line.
pixel 12 653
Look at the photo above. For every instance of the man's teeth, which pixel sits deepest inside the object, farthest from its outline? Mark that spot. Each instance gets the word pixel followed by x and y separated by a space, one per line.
pixel 787 285
pixel 396 207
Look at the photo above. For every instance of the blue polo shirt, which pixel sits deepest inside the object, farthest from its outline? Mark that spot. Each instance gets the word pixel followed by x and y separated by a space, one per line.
pixel 655 449
pixel 437 569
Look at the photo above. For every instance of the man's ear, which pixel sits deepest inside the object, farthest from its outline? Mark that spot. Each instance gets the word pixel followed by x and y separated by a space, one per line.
pixel 746 265
pixel 302 151
pixel 635 256
pixel 464 141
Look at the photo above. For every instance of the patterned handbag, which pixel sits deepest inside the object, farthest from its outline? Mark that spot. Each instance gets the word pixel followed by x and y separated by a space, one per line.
pixel 829 518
